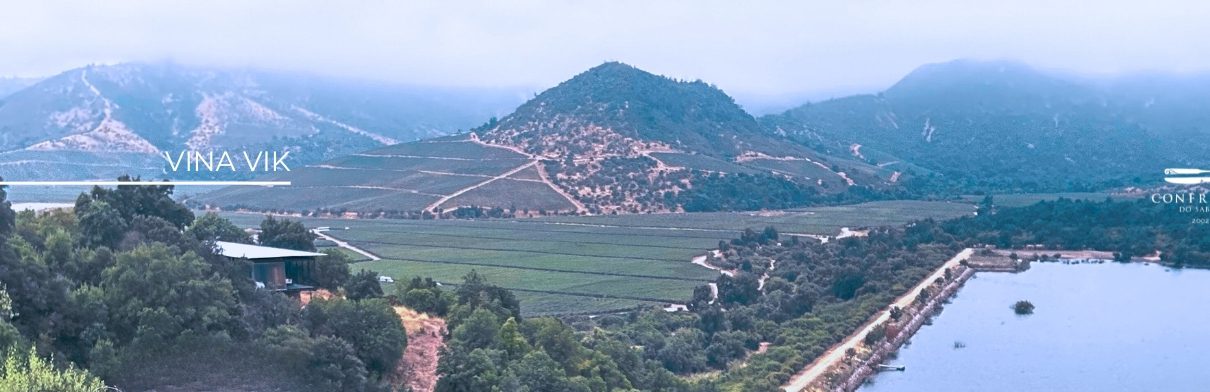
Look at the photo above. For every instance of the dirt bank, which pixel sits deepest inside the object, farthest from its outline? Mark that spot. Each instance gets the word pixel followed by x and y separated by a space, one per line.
pixel 418 369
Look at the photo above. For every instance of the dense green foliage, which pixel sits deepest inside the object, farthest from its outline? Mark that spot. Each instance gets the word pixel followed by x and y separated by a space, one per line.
pixel 23 371
pixel 492 348
pixel 128 287
pixel 1133 227
pixel 285 233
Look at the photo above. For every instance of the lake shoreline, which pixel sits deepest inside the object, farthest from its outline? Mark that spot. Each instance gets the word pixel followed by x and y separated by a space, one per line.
pixel 997 344
pixel 981 261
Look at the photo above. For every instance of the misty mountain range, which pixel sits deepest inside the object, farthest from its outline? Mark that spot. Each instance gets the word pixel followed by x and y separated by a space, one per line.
pixel 1002 126
pixel 953 127
pixel 136 110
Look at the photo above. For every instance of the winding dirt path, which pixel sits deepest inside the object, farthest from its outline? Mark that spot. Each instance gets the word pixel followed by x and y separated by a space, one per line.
pixel 446 198
pixel 836 354
pixel 346 245
pixel 545 178
pixel 701 260
pixel 760 283
pixel 580 209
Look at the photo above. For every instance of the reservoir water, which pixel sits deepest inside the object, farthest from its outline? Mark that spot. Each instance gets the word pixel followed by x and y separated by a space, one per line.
pixel 1097 327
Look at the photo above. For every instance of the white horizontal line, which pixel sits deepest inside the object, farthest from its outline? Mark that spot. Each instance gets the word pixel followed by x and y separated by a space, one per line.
pixel 145 183
pixel 1187 180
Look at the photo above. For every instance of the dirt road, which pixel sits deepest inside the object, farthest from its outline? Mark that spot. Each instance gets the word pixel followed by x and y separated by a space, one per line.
pixel 439 202
pixel 343 244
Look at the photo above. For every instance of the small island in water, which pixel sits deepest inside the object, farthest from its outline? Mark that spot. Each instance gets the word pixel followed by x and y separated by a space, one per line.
pixel 1083 342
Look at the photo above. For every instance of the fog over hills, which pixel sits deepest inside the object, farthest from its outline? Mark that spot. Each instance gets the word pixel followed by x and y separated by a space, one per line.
pixel 616 138
pixel 1006 126
pixel 613 139
pixel 139 110
pixel 9 85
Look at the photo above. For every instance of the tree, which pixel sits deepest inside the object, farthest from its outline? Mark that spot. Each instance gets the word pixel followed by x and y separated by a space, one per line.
pixel 769 235
pixel 335 362
pixel 475 292
pixel 9 336
pixel 742 289
pixel 100 224
pixel 332 271
pixel 876 335
pixel 896 312
pixel 362 285
pixel 370 326
pixel 211 227
pixel 1023 307
pixel 557 340
pixel 711 320
pixel 36 291
pixel 464 370
pixel 845 287
pixel 423 295
pixel 986 206
pixel 684 353
pixel 287 234
pixel 146 229
pixel 512 342
pixel 8 217
pixel 480 330
pixel 702 296
pixel 24 370
pixel 725 347
pixel 330 361
pixel 538 372
pixel 147 200
pixel 155 291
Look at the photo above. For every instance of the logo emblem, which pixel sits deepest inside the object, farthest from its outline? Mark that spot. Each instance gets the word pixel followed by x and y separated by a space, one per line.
pixel 1186 176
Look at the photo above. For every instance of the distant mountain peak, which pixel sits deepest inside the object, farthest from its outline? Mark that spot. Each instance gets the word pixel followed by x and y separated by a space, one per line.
pixel 993 76
pixel 635 105
pixel 615 68
pixel 147 108
pixel 605 128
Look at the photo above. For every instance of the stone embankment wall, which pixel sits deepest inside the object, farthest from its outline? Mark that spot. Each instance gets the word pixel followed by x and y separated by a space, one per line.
pixel 996 263
pixel 915 319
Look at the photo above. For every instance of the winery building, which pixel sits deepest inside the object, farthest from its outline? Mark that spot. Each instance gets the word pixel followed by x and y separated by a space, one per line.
pixel 273 269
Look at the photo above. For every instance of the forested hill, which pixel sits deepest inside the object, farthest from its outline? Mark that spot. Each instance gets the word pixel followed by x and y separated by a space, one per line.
pixel 632 103
pixel 127 288
pixel 621 139
pixel 1008 127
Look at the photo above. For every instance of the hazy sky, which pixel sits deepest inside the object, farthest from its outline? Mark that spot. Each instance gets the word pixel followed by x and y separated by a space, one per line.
pixel 749 48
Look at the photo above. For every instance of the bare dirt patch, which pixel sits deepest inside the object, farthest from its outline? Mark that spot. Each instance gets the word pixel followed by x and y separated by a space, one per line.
pixel 418 369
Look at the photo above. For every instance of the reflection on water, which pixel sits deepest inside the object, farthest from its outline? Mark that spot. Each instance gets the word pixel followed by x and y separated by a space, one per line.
pixel 1097 327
